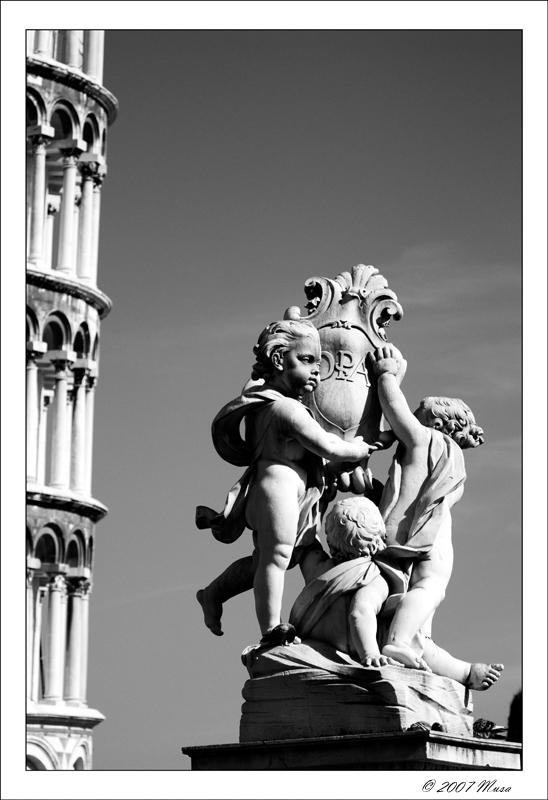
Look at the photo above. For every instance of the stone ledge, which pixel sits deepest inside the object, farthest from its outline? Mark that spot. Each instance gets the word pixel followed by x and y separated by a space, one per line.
pixel 407 750
pixel 67 716
pixel 45 497
pixel 56 282
pixel 76 79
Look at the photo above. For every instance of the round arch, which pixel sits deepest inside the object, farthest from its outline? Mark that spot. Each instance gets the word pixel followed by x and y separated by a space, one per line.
pixel 90 133
pixel 95 350
pixel 81 343
pixel 75 555
pixel 81 757
pixel 40 755
pixel 56 332
pixel 89 553
pixel 64 121
pixel 32 325
pixel 49 545
pixel 36 109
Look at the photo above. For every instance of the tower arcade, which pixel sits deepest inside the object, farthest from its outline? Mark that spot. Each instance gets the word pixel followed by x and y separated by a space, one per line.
pixel 68 113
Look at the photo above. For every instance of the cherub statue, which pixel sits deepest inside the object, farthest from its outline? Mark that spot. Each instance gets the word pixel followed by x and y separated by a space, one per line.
pixel 278 497
pixel 344 594
pixel 425 480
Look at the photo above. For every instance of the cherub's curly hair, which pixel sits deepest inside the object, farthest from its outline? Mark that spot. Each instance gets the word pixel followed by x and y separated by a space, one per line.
pixel 282 336
pixel 452 417
pixel 354 527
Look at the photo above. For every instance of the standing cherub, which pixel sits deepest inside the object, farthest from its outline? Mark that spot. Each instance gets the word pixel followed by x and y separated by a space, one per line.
pixel 278 495
pixel 426 479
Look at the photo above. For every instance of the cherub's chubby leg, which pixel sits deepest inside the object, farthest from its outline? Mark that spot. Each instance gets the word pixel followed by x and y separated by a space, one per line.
pixel 274 514
pixel 474 676
pixel 427 586
pixel 364 607
pixel 236 578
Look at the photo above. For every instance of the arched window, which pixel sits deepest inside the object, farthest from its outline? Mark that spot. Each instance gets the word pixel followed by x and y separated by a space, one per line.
pixel 54 335
pixel 95 351
pixel 73 556
pixel 32 325
pixel 89 559
pixel 62 123
pixel 90 134
pixel 81 344
pixel 47 549
pixel 104 144
pixel 32 113
pixel 78 764
pixel 75 551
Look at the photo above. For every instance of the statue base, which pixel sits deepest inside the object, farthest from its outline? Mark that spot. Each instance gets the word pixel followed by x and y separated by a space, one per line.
pixel 312 690
pixel 411 750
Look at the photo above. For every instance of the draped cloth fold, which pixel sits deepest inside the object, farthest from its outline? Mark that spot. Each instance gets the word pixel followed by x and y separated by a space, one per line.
pixel 445 474
pixel 229 524
pixel 349 576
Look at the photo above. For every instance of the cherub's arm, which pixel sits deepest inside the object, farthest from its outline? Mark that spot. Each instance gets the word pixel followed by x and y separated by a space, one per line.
pixel 298 424
pixel 387 365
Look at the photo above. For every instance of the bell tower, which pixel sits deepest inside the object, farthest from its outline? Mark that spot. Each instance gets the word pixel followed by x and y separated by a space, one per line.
pixel 68 114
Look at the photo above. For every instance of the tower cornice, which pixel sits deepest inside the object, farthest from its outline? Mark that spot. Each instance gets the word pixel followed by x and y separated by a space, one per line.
pixel 69 76
pixel 65 500
pixel 57 283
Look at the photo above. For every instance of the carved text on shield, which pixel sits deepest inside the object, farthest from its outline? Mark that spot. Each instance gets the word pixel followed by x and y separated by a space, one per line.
pixel 344 364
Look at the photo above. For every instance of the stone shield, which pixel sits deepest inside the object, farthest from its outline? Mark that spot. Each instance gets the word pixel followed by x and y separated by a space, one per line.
pixel 351 313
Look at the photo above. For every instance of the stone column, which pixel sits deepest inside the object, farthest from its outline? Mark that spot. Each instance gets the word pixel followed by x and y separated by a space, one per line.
pixel 75 238
pixel 93 55
pixel 81 370
pixel 47 396
pixel 52 207
pixel 43 43
pixel 75 644
pixel 36 640
pixel 97 184
pixel 89 169
pixel 90 403
pixel 59 477
pixel 55 635
pixel 85 633
pixel 74 48
pixel 30 630
pixel 39 136
pixel 70 151
pixel 34 349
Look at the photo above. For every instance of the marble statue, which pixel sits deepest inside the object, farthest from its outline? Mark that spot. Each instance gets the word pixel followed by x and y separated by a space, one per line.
pixel 350 314
pixel 345 592
pixel 278 495
pixel 426 479
pixel 321 389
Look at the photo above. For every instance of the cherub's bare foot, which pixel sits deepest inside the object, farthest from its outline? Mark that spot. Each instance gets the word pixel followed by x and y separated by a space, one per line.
pixel 405 655
pixel 213 611
pixel 377 660
pixel 483 676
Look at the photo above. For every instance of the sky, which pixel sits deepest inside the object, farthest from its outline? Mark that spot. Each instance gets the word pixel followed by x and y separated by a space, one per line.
pixel 242 163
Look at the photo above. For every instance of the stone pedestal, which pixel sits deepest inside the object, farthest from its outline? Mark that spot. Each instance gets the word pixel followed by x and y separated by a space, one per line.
pixel 311 690
pixel 310 707
pixel 409 750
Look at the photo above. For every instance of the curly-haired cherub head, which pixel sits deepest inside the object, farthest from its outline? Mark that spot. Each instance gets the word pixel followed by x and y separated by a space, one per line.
pixel 354 527
pixel 452 417
pixel 279 337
